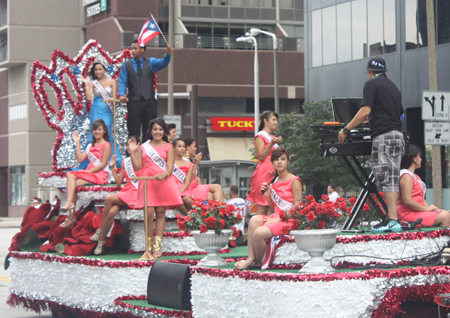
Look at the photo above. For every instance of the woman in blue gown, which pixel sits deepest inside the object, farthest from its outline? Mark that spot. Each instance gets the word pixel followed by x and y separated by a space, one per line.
pixel 101 88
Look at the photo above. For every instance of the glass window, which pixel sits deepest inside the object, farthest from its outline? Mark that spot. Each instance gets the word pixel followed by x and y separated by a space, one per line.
pixel 422 22
pixel 389 27
pixel 287 4
pixel 411 24
pixel 316 35
pixel 329 35
pixel 443 21
pixel 344 33
pixel 375 26
pixel 359 29
pixel 18 196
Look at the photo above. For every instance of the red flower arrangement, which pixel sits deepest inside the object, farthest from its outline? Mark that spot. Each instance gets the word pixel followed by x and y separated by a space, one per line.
pixel 315 215
pixel 212 216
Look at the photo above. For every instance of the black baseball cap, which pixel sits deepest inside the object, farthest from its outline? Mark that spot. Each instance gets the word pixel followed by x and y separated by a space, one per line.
pixel 376 64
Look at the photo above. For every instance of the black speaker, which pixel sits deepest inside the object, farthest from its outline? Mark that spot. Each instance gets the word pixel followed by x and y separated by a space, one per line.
pixel 169 285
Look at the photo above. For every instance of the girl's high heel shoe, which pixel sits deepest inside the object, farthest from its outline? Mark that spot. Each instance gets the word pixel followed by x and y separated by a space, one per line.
pixel 99 249
pixel 157 246
pixel 70 219
pixel 66 207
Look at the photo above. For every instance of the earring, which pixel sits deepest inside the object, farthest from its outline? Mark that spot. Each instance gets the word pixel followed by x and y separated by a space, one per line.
pixel 187 153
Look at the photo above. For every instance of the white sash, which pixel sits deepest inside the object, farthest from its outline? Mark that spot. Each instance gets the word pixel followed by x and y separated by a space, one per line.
pixel 267 136
pixel 130 172
pixel 422 184
pixel 179 174
pixel 156 158
pixel 103 93
pixel 282 204
pixel 95 161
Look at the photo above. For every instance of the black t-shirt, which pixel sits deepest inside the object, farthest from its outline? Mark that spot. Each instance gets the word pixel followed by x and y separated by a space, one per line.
pixel 385 100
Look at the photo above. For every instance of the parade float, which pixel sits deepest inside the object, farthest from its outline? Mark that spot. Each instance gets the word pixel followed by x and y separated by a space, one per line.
pixel 374 274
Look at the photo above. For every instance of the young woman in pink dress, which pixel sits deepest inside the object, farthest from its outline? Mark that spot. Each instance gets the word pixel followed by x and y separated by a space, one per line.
pixel 125 198
pixel 191 150
pixel 265 144
pixel 97 172
pixel 284 191
pixel 186 181
pixel 155 158
pixel 411 200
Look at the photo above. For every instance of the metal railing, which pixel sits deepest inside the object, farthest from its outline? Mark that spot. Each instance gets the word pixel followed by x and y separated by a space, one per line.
pixel 3 18
pixel 220 42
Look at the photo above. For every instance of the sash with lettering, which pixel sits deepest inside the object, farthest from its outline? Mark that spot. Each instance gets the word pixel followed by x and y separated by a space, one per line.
pixel 156 158
pixel 282 204
pixel 267 136
pixel 179 174
pixel 103 93
pixel 95 161
pixel 130 171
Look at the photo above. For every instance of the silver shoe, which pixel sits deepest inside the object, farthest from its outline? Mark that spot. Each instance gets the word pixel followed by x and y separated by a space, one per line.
pixel 99 248
pixel 94 238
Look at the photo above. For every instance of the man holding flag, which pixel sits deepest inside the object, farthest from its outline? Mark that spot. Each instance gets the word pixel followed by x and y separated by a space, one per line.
pixel 138 75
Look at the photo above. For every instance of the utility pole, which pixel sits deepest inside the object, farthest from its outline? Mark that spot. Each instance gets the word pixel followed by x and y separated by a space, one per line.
pixel 170 106
pixel 432 70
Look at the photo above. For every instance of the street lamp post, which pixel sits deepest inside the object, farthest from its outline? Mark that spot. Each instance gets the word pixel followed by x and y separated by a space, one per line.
pixel 250 39
pixel 254 32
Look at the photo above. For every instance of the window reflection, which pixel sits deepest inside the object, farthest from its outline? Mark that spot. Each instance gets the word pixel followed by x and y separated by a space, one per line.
pixel 344 39
pixel 316 38
pixel 389 27
pixel 411 30
pixel 374 27
pixel 443 21
pixel 329 35
pixel 359 29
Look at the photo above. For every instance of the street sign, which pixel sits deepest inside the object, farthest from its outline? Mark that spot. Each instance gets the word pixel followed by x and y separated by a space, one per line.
pixel 435 105
pixel 437 133
pixel 174 119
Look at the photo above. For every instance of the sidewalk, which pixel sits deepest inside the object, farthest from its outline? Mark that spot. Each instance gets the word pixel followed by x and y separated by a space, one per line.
pixel 10 222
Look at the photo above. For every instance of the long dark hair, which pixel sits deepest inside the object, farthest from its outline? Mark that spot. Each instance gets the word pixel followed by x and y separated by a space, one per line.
pixel 408 157
pixel 98 123
pixel 277 153
pixel 161 123
pixel 265 115
pixel 92 72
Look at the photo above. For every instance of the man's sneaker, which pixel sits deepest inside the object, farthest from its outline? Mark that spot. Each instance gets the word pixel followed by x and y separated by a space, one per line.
pixel 387 226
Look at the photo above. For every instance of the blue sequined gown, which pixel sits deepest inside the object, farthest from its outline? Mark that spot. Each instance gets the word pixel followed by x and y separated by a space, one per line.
pixel 101 110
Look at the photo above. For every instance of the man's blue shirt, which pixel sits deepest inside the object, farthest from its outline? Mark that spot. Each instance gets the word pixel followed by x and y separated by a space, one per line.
pixel 155 64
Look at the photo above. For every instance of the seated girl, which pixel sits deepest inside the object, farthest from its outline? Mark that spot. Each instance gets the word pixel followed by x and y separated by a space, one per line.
pixel 126 197
pixel 411 200
pixel 283 192
pixel 98 153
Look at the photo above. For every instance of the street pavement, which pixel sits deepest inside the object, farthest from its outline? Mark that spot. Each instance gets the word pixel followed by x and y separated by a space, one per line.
pixel 8 228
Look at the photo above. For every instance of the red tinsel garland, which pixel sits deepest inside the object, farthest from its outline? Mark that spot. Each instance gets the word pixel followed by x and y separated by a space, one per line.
pixel 41 95
pixel 46 175
pixel 170 313
pixel 386 237
pixel 225 250
pixel 100 188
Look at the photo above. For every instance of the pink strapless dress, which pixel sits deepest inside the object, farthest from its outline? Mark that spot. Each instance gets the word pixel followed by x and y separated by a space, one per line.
pixel 159 193
pixel 195 191
pixel 261 175
pixel 129 191
pixel 100 177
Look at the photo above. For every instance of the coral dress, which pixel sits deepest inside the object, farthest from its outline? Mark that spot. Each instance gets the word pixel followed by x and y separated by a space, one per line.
pixel 159 193
pixel 261 174
pixel 195 191
pixel 418 193
pixel 282 197
pixel 100 177
pixel 129 190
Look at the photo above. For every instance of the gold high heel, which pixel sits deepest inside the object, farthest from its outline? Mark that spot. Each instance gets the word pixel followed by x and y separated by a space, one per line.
pixel 157 246
pixel 94 238
pixel 69 223
pixel 99 248
pixel 148 253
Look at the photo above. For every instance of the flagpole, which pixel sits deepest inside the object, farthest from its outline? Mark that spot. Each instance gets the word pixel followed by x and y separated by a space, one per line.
pixel 151 15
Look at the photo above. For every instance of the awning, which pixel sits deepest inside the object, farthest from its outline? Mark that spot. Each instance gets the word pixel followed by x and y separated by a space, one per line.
pixel 230 148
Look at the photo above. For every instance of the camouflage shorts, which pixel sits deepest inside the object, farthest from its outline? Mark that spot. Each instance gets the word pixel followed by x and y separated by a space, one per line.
pixel 387 152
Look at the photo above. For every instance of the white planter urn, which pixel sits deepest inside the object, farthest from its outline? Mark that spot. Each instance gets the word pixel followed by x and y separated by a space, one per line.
pixel 315 243
pixel 212 244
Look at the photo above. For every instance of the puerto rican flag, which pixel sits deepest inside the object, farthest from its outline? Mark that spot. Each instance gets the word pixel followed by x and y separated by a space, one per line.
pixel 149 30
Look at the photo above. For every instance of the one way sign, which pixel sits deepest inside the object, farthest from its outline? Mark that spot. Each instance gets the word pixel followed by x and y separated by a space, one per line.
pixel 435 105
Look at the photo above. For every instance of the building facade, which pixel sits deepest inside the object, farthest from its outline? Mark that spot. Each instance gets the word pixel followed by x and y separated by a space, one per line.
pixel 342 35
pixel 207 60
